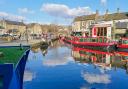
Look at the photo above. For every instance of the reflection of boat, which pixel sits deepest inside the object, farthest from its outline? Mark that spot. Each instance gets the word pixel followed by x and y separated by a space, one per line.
pixel 104 60
pixel 123 45
pixel 124 56
pixel 92 51
pixel 99 58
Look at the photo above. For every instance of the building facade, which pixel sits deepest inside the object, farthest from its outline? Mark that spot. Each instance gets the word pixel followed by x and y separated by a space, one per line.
pixel 118 21
pixel 13 27
pixel 34 28
pixel 82 23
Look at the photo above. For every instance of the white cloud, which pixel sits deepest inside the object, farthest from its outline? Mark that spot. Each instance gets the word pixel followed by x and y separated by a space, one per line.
pixel 57 61
pixel 84 88
pixel 61 10
pixel 96 78
pixel 29 76
pixel 103 2
pixel 3 14
pixel 11 16
pixel 25 11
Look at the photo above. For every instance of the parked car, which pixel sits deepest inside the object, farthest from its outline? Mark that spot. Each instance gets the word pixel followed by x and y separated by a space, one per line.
pixel 7 37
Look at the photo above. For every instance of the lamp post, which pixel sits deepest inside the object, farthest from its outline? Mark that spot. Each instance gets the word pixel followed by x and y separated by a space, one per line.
pixel 27 34
pixel 113 32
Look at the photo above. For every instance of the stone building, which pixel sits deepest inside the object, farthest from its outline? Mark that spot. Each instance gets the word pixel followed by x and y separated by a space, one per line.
pixel 118 20
pixel 82 23
pixel 34 28
pixel 13 27
pixel 121 29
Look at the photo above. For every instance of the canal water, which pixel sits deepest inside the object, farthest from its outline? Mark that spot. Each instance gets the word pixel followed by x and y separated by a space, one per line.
pixel 62 67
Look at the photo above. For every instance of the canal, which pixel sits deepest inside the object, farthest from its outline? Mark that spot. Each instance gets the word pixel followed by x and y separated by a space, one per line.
pixel 62 67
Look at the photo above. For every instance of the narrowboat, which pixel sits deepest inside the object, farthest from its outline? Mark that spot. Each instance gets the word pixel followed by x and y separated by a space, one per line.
pixel 122 45
pixel 94 43
pixel 100 39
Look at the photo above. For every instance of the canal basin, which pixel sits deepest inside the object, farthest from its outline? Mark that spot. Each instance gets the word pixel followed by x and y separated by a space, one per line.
pixel 59 69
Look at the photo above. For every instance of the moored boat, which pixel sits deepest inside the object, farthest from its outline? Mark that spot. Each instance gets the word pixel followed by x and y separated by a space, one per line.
pixel 100 38
pixel 122 45
pixel 94 43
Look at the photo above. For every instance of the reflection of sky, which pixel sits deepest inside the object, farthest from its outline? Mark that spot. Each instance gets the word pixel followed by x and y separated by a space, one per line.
pixel 33 55
pixel 57 59
pixel 29 76
pixel 57 71
pixel 96 78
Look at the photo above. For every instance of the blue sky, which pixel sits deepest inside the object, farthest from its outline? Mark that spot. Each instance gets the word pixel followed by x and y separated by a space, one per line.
pixel 56 11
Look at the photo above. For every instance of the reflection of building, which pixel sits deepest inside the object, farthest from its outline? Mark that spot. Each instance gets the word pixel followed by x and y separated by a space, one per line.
pixel 13 27
pixel 104 60
pixel 100 59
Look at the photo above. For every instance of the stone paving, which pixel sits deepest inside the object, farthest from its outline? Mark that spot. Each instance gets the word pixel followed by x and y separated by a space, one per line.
pixel 18 42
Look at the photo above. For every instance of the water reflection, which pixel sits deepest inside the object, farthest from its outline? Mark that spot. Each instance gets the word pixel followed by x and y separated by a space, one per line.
pixel 65 67
pixel 102 59
pixel 96 78
pixel 29 75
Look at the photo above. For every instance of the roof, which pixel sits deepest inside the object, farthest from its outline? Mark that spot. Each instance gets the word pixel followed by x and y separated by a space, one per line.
pixel 14 23
pixel 116 16
pixel 106 17
pixel 32 24
pixel 85 17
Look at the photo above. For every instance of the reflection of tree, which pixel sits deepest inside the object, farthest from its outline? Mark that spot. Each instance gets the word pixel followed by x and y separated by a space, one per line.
pixel 44 48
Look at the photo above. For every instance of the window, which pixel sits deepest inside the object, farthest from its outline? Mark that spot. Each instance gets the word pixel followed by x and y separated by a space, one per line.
pixel 105 31
pixel 102 31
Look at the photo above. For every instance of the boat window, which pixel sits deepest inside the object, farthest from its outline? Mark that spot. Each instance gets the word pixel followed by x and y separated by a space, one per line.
pixel 102 31
pixel 125 41
pixel 1 82
pixel 98 31
pixel 105 31
pixel 94 40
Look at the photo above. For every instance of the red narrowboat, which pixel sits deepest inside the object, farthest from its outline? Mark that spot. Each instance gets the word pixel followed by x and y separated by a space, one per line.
pixel 122 45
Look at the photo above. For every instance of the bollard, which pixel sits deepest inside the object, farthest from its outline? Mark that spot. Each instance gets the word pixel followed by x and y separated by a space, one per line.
pixel 21 46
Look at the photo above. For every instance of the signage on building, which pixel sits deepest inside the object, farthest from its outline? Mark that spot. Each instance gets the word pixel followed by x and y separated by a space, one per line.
pixel 94 32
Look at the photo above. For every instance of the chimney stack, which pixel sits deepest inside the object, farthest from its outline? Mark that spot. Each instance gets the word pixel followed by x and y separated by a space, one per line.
pixel 118 10
pixel 97 12
pixel 107 11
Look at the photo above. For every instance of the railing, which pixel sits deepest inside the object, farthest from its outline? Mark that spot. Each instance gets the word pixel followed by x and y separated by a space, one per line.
pixel 91 39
